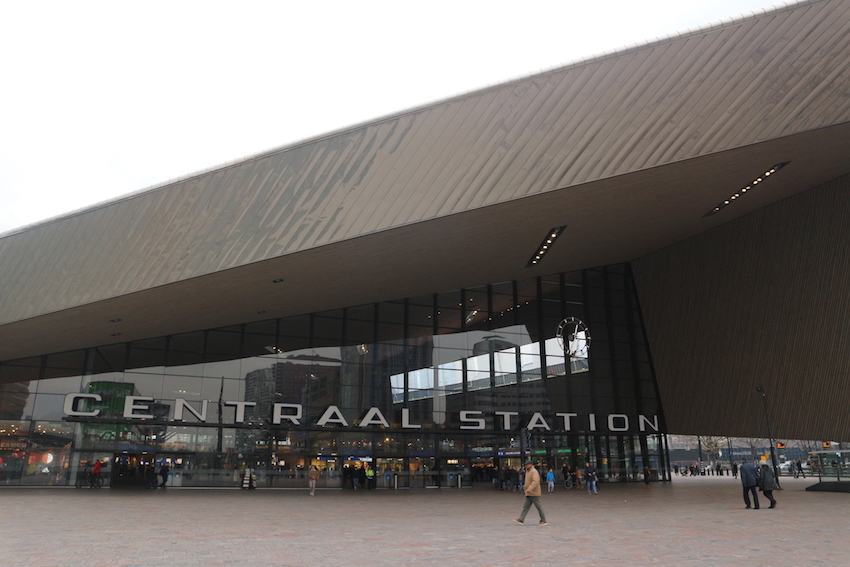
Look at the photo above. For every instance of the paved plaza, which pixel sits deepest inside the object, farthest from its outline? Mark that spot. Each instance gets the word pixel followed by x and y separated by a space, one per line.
pixel 691 521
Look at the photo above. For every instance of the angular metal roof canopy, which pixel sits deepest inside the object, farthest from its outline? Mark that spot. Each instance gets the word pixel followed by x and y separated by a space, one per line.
pixel 629 151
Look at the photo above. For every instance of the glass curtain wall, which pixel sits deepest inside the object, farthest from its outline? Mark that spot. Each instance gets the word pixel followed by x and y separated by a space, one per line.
pixel 440 390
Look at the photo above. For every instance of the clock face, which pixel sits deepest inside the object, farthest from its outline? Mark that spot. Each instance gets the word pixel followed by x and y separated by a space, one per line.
pixel 573 337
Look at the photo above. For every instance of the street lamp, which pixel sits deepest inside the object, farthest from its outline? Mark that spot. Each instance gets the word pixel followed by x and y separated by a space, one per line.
pixel 761 390
pixel 699 452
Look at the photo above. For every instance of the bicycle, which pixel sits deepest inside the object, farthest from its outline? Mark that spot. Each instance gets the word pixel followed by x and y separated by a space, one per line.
pixel 573 482
pixel 84 479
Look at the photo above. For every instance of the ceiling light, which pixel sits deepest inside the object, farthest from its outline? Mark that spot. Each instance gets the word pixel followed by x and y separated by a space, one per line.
pixel 545 246
pixel 746 188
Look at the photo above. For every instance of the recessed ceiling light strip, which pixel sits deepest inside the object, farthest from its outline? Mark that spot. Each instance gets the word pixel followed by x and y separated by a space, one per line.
pixel 545 246
pixel 749 187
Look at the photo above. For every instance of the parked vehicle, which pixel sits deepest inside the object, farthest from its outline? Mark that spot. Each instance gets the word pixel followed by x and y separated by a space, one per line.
pixel 786 467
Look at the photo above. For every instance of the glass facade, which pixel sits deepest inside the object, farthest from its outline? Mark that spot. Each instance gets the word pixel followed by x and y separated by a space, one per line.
pixel 443 389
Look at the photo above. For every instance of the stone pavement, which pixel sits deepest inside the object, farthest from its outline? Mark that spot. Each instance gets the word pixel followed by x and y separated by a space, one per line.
pixel 689 522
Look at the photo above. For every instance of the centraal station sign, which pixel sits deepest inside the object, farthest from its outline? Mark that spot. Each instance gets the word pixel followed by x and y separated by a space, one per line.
pixel 138 408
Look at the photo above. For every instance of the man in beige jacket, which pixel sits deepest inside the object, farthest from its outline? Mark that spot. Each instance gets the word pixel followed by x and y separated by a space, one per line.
pixel 532 494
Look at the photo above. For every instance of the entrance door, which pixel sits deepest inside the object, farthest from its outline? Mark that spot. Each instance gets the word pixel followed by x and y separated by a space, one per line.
pixel 392 472
pixel 131 469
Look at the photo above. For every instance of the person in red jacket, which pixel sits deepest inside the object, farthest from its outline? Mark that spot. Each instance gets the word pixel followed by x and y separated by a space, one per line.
pixel 94 479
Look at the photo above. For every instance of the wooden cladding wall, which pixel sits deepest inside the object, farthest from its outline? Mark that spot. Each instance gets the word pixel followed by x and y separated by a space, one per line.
pixel 763 300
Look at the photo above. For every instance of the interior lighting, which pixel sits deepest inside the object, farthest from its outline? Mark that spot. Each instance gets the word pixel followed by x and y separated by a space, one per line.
pixel 545 245
pixel 749 187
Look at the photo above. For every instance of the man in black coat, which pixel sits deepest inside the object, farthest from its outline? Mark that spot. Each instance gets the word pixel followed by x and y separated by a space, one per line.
pixel 750 480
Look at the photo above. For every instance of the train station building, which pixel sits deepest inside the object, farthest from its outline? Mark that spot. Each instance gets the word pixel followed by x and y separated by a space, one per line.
pixel 566 267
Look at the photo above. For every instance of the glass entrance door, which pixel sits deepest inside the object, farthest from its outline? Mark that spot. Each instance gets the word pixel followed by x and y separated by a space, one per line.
pixel 132 469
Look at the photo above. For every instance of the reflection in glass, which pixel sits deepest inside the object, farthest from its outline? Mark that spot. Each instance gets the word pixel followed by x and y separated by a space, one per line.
pixel 415 363
pixel 16 400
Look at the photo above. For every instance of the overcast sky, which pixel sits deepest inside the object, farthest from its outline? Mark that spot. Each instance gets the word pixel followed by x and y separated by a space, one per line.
pixel 100 99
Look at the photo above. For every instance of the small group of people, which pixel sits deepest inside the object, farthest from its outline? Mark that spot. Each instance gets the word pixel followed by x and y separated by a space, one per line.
pixel 695 469
pixel 758 478
pixel 249 479
pixel 587 477
pixel 363 476
pixel 507 478
pixel 797 469
pixel 574 474
pixel 151 475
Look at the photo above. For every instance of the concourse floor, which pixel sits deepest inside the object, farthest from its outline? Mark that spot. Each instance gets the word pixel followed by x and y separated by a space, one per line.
pixel 688 522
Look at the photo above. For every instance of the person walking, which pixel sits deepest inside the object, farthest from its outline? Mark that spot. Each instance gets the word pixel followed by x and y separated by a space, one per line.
pixel 312 477
pixel 361 476
pixel 767 482
pixel 750 481
pixel 164 471
pixel 531 489
pixel 150 475
pixel 590 478
pixel 550 480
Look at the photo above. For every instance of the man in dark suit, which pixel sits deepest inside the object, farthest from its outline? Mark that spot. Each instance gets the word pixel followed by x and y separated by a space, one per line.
pixel 750 480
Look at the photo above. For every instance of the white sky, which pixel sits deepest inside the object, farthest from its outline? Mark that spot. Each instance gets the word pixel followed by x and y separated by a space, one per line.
pixel 100 99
